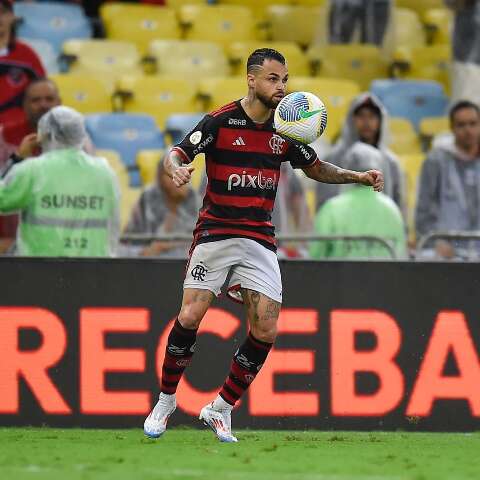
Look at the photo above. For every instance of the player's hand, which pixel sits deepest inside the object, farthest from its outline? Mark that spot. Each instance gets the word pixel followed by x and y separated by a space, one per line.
pixel 373 178
pixel 182 175
pixel 28 146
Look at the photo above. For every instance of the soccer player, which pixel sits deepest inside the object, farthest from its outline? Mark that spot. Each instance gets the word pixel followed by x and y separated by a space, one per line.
pixel 234 233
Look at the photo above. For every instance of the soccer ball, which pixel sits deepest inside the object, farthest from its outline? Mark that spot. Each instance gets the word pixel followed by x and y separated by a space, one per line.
pixel 301 116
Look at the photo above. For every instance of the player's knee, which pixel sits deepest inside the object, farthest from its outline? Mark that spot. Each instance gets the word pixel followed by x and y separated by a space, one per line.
pixel 265 333
pixel 190 317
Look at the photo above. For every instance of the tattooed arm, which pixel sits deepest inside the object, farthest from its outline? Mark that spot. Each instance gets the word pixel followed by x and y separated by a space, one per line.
pixel 328 173
pixel 176 169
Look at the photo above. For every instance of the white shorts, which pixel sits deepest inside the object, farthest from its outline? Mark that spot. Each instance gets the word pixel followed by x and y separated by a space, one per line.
pixel 251 265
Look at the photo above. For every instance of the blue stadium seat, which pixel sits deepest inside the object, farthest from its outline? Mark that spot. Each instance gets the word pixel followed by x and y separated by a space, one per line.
pixel 52 21
pixel 179 124
pixel 411 99
pixel 126 133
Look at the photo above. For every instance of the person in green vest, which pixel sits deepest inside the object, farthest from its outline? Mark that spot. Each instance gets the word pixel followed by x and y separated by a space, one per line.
pixel 359 211
pixel 68 200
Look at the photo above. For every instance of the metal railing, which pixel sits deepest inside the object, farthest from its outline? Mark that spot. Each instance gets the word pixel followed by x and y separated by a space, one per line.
pixel 141 239
pixel 469 250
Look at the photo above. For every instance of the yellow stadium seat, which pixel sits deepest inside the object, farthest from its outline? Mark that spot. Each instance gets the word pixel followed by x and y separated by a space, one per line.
pixel 139 24
pixel 303 25
pixel 216 92
pixel 432 126
pixel 308 3
pixel 147 161
pixel 129 197
pixel 403 138
pixel 181 3
pixel 419 6
pixel 411 166
pixel 104 59
pixel 429 62
pixel 222 24
pixel 190 59
pixel 407 28
pixel 259 10
pixel 297 61
pixel 335 93
pixel 359 63
pixel 117 165
pixel 157 96
pixel 84 93
pixel 439 24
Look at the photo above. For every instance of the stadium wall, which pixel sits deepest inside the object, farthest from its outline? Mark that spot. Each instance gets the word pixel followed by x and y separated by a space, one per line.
pixel 362 346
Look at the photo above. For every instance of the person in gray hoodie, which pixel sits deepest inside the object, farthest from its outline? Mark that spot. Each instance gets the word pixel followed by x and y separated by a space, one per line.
pixel 366 122
pixel 449 185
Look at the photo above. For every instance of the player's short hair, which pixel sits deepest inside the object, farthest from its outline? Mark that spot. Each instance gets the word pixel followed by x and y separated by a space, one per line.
pixel 460 105
pixel 257 57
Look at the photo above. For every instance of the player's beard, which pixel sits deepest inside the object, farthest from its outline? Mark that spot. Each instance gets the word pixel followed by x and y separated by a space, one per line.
pixel 269 102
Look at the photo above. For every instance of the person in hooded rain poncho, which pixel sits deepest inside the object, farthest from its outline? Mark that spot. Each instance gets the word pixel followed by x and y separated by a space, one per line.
pixel 449 185
pixel 359 211
pixel 68 200
pixel 366 122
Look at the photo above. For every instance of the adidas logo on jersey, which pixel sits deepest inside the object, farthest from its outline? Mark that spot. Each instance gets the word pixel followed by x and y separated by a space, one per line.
pixel 239 141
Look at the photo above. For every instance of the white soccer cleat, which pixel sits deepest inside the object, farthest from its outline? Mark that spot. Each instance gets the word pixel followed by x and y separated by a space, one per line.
pixel 156 423
pixel 219 421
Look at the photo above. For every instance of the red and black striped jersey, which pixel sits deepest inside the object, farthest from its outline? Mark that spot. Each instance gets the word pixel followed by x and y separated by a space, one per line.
pixel 243 168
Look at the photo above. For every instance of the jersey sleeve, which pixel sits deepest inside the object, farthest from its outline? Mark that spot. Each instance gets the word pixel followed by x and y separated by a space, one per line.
pixel 300 155
pixel 199 140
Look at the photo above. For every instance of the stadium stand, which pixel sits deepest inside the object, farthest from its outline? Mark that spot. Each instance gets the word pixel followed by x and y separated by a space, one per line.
pixel 84 93
pixel 196 59
pixel 411 99
pixel 105 59
pixel 438 23
pixel 430 62
pixel 356 62
pixel 299 24
pixel 411 165
pixel 222 24
pixel 216 92
pixel 431 127
pixel 117 165
pixel 139 24
pixel 157 96
pixel 46 52
pixel 336 94
pixel 179 124
pixel 54 22
pixel 403 138
pixel 407 28
pixel 298 64
pixel 420 7
pixel 126 134
pixel 128 198
pixel 147 161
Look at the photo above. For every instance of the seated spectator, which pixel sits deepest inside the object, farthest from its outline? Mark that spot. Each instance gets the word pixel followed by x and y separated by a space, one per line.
pixel 359 211
pixel 20 141
pixel 164 209
pixel 40 96
pixel 359 21
pixel 366 122
pixel 19 66
pixel 449 185
pixel 68 199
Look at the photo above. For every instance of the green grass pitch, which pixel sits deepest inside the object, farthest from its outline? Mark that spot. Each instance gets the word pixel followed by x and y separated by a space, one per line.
pixel 71 454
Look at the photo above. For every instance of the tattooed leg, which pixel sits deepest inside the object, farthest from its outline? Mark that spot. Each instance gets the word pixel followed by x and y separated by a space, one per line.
pixel 262 313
